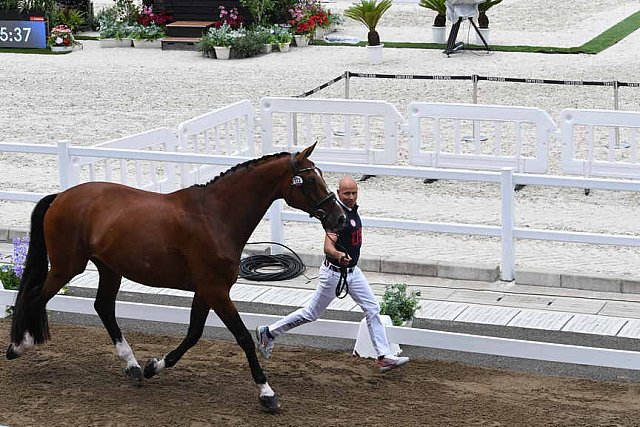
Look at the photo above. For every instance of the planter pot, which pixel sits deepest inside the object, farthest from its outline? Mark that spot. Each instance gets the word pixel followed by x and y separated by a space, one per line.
pixel 485 33
pixel 116 43
pixel 147 44
pixel 266 48
pixel 283 47
pixel 439 34
pixel 61 48
pixel 364 346
pixel 375 54
pixel 301 40
pixel 222 52
pixel 319 33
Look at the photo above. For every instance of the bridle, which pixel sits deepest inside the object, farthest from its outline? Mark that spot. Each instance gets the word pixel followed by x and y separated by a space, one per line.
pixel 298 182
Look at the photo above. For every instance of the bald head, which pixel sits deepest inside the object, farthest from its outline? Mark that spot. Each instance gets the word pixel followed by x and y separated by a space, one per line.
pixel 348 191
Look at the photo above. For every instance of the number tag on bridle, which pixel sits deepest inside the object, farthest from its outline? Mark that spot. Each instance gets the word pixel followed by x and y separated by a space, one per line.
pixel 296 181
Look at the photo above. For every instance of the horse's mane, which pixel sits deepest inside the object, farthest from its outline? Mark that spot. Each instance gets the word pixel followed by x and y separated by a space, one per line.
pixel 244 165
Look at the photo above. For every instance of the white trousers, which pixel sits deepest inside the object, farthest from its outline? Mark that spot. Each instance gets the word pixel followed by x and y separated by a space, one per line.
pixel 361 293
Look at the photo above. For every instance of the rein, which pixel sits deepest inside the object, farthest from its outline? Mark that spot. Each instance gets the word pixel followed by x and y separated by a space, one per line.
pixel 342 288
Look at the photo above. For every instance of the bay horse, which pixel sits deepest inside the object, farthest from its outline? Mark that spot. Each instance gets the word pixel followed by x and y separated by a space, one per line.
pixel 190 239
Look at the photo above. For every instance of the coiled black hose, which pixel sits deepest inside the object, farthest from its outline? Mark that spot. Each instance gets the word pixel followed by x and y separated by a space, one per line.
pixel 281 266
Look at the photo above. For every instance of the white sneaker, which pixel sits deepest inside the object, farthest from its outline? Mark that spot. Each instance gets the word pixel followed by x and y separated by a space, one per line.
pixel 386 363
pixel 264 342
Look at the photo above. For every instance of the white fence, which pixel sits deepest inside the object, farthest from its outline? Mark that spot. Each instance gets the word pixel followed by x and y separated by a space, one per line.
pixel 487 137
pixel 355 137
pixel 458 136
pixel 600 143
pixel 561 353
pixel 346 131
pixel 507 179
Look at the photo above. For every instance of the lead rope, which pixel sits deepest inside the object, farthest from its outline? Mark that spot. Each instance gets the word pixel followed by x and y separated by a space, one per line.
pixel 342 288
pixel 342 285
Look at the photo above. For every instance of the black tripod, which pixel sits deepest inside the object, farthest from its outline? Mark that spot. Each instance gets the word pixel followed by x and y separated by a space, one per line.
pixel 452 46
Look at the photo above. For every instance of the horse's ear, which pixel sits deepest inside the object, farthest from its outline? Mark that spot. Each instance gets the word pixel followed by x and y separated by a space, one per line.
pixel 307 151
pixel 304 153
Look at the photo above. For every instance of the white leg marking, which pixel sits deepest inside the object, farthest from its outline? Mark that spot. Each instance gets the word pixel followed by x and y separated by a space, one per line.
pixel 160 365
pixel 125 353
pixel 266 390
pixel 26 344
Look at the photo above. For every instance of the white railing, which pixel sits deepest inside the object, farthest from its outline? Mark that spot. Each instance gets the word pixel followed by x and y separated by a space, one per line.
pixel 600 143
pixel 486 137
pixel 504 347
pixel 226 131
pixel 345 130
pixel 507 179
pixel 152 176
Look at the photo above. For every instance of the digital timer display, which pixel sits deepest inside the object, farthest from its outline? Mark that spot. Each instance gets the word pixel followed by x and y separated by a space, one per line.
pixel 23 34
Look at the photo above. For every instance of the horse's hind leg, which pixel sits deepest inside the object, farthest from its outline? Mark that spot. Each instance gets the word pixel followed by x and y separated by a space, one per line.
pixel 227 312
pixel 105 306
pixel 199 313
pixel 30 324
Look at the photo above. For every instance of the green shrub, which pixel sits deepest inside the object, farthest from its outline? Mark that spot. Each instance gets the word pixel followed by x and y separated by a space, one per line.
pixel 247 46
pixel 146 32
pixel 398 304
pixel 69 17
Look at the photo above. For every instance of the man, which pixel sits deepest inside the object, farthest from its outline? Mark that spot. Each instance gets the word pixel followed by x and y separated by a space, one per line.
pixel 342 252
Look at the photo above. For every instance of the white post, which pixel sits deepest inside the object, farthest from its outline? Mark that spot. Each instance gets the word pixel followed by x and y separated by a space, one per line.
pixel 507 265
pixel 616 106
pixel 346 85
pixel 277 229
pixel 64 164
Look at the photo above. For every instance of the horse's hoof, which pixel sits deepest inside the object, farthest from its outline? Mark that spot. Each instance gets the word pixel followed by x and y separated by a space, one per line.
pixel 151 368
pixel 135 374
pixel 11 354
pixel 270 403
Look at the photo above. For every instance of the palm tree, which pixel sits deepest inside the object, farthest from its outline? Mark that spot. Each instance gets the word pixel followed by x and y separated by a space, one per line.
pixel 369 12
pixel 440 7
pixel 483 20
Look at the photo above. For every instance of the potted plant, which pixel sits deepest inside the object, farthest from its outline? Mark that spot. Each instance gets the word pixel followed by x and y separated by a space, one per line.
pixel 483 19
pixel 218 40
pixel 399 304
pixel 149 28
pixel 369 12
pixel 147 36
pixel 283 38
pixel 61 39
pixel 439 27
pixel 115 24
pixel 265 36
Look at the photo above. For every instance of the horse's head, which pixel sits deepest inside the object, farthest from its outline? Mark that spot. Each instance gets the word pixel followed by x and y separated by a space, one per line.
pixel 308 192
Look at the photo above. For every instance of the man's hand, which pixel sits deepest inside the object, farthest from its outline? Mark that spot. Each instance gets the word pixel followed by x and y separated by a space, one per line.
pixel 344 259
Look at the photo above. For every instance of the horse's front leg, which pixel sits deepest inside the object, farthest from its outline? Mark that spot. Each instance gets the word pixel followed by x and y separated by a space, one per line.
pixel 105 306
pixel 227 312
pixel 199 313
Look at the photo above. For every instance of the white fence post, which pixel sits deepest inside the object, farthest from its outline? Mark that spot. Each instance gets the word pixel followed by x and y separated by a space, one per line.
pixel 507 265
pixel 277 228
pixel 64 164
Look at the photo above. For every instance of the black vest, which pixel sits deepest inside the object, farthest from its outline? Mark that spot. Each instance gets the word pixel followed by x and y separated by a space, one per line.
pixel 350 237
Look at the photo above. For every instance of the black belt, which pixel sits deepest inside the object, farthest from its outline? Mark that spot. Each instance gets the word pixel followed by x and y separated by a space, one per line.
pixel 335 267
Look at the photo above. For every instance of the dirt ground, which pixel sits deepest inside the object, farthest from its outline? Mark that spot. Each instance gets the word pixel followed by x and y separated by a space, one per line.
pixel 76 380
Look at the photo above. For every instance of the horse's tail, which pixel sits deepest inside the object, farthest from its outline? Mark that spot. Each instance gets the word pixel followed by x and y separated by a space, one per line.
pixel 29 313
